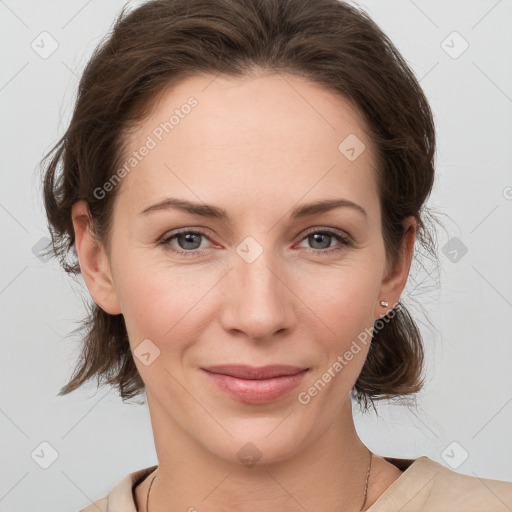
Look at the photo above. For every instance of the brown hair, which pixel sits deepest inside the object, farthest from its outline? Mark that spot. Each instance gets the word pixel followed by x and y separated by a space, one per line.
pixel 165 41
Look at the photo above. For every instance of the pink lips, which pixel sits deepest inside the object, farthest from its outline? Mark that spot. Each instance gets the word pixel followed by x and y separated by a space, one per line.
pixel 253 385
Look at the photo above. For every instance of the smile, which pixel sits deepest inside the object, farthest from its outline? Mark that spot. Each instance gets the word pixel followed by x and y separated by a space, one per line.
pixel 256 386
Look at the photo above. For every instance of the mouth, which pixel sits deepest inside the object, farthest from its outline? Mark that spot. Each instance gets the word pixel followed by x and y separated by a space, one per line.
pixel 255 385
pixel 255 373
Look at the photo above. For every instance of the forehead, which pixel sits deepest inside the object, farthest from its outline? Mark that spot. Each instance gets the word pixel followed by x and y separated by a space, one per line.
pixel 276 136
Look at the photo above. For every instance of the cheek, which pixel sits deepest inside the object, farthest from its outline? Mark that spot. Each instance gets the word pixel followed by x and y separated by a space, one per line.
pixel 160 302
pixel 342 308
pixel 342 298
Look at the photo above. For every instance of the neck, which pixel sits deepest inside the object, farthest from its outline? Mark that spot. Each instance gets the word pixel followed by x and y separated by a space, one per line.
pixel 328 474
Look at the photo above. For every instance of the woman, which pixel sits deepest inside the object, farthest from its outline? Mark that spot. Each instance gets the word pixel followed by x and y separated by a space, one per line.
pixel 215 148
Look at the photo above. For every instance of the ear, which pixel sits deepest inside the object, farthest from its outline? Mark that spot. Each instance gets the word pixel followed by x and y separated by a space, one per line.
pixel 93 260
pixel 395 279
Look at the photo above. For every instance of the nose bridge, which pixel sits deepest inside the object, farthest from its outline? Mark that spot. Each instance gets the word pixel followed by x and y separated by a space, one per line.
pixel 257 297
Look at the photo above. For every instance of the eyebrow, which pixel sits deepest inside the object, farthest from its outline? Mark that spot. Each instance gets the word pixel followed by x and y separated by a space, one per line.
pixel 210 211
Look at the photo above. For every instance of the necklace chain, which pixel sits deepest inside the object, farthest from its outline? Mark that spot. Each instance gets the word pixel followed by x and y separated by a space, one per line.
pixel 365 485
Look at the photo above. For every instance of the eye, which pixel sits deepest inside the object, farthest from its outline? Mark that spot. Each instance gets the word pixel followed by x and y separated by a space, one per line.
pixel 188 242
pixel 322 238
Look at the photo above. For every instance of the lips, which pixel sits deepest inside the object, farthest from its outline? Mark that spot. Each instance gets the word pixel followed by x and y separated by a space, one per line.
pixel 255 373
pixel 255 385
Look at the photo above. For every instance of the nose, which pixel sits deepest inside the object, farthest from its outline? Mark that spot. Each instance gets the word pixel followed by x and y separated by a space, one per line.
pixel 259 302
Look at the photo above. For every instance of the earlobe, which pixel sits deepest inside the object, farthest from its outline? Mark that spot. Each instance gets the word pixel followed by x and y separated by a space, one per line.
pixel 394 282
pixel 93 261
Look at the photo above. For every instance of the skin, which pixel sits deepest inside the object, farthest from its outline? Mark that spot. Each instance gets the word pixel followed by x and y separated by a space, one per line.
pixel 257 146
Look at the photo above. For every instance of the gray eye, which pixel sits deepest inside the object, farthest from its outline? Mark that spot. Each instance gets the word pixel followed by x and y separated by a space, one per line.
pixel 320 240
pixel 189 241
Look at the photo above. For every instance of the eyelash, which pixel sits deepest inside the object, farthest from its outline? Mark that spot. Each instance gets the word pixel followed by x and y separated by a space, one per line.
pixel 346 241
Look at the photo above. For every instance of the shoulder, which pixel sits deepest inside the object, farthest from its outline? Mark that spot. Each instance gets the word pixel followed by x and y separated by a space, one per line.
pixel 120 497
pixel 468 492
pixel 428 486
pixel 100 505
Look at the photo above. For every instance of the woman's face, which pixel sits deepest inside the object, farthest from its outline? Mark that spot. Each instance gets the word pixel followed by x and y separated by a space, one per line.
pixel 260 286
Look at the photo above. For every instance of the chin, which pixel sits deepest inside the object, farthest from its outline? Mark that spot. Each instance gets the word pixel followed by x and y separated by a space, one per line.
pixel 254 442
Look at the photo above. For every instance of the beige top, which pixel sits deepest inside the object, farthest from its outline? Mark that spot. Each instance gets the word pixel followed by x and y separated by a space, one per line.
pixel 424 486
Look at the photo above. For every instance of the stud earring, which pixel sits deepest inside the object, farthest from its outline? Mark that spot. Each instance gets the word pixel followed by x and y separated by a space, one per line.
pixel 384 304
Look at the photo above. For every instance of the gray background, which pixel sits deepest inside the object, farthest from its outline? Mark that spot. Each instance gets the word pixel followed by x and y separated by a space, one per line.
pixel 465 409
